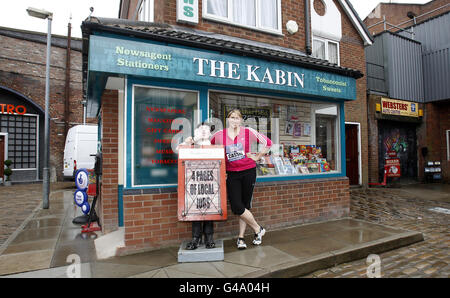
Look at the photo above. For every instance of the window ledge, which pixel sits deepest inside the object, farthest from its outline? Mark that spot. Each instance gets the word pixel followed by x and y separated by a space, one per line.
pixel 300 179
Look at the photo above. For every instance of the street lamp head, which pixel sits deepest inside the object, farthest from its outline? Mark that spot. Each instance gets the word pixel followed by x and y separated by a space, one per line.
pixel 39 13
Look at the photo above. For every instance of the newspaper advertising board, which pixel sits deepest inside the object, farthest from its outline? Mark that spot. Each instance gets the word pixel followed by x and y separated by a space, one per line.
pixel 201 183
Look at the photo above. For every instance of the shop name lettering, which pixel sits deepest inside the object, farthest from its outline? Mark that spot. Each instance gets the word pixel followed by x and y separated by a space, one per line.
pixel 142 54
pixel 230 70
pixel 12 109
pixel 395 106
pixel 155 61
pixel 336 84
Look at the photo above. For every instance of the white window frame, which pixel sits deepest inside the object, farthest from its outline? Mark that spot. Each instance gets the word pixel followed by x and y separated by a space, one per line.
pixel 229 19
pixel 327 41
pixel 146 11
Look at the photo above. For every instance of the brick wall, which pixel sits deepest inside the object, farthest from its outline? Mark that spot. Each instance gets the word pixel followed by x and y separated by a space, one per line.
pixel 396 14
pixel 437 122
pixel 165 13
pixel 22 68
pixel 353 56
pixel 108 202
pixel 373 138
pixel 445 125
pixel 151 220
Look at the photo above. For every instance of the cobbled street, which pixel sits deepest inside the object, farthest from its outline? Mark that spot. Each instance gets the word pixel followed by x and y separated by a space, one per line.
pixel 392 207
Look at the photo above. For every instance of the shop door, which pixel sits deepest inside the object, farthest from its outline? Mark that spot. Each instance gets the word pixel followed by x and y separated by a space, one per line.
pixel 2 155
pixel 401 138
pixel 351 153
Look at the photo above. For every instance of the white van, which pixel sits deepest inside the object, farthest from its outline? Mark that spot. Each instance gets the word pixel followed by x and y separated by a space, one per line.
pixel 81 143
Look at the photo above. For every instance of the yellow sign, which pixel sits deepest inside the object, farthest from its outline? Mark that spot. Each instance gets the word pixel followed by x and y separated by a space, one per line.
pixel 399 107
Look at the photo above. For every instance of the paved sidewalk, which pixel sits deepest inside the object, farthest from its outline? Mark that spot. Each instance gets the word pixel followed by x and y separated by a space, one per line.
pixel 17 203
pixel 47 243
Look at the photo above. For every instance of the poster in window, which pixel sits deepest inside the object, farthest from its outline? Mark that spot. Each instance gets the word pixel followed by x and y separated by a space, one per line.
pixel 306 129
pixel 257 118
pixel 156 111
pixel 297 130
pixel 292 113
pixel 289 128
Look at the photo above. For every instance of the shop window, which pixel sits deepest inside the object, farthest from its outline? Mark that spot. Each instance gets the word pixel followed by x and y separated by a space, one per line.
pixel 255 14
pixel 156 112
pixel 305 134
pixel 20 136
pixel 326 50
pixel 146 11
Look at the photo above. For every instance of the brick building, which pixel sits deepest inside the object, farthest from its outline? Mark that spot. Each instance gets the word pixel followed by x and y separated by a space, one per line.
pixel 409 67
pixel 295 69
pixel 403 15
pixel 22 86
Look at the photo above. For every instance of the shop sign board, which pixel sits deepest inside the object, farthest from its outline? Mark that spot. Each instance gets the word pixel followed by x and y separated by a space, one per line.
pixel 399 107
pixel 12 109
pixel 201 183
pixel 392 167
pixel 153 59
pixel 187 11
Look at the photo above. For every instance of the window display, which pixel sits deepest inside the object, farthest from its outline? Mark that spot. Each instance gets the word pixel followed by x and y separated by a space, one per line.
pixel 155 111
pixel 304 133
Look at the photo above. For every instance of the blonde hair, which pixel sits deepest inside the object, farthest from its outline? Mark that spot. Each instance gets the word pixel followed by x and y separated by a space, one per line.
pixel 234 111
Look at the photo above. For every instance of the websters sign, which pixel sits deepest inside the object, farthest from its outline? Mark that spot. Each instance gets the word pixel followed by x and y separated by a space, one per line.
pixel 152 59
pixel 399 107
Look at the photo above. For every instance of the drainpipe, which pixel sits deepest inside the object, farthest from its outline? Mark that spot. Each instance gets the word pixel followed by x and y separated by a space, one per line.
pixel 67 87
pixel 307 29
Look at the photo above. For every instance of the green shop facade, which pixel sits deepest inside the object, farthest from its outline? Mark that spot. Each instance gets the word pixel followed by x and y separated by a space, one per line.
pixel 150 86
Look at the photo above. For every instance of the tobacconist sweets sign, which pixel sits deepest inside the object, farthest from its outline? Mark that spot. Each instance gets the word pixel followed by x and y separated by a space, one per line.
pixel 201 183
pixel 153 59
pixel 399 107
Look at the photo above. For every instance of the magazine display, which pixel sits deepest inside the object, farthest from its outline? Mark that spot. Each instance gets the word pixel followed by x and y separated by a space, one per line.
pixel 293 160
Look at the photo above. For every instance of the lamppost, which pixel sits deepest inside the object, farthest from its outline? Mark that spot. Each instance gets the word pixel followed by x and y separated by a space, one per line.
pixel 42 14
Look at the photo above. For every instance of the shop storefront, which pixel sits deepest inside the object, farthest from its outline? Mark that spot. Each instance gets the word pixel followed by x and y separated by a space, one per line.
pixel 394 133
pixel 21 123
pixel 169 87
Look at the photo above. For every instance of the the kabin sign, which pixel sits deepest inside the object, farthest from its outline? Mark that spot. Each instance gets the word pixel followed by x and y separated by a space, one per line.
pixel 201 185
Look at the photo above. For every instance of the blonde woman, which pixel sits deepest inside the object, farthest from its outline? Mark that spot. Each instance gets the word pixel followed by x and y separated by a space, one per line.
pixel 241 171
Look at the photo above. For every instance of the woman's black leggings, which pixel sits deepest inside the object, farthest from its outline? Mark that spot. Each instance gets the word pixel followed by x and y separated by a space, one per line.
pixel 240 187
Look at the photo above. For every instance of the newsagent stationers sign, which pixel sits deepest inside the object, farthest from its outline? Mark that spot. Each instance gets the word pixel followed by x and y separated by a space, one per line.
pixel 153 59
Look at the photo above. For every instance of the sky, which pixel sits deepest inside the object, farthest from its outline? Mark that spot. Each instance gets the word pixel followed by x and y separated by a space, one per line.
pixel 15 15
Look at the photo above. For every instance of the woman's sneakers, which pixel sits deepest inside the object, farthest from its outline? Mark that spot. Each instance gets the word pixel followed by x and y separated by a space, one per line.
pixel 256 241
pixel 258 236
pixel 241 243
